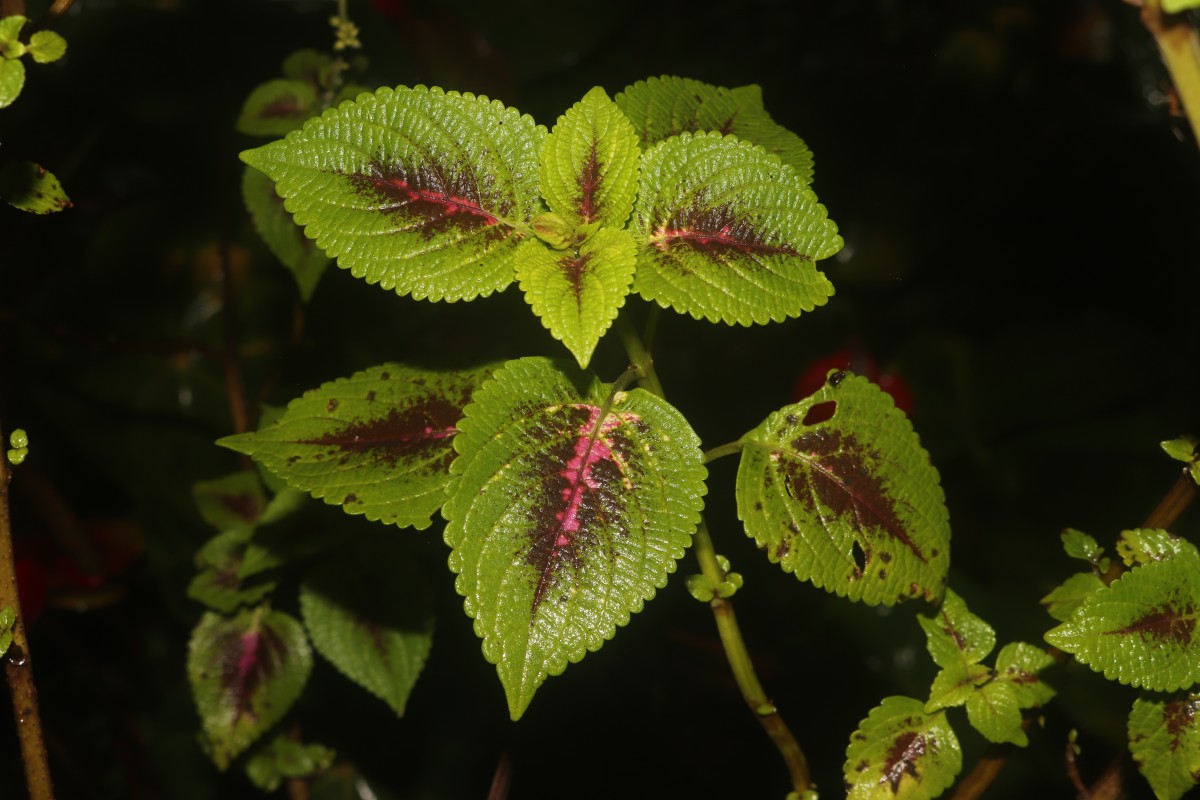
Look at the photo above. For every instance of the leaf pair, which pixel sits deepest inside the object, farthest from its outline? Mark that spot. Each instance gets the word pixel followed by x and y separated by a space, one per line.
pixel 568 503
pixel 443 196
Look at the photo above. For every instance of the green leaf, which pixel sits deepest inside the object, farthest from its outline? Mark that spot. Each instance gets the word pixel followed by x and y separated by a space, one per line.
pixel 1018 664
pixel 665 106
pixel 589 164
pixel 1078 544
pixel 12 80
pixel 371 615
pixel 1065 598
pixel 728 233
pixel 29 186
pixel 8 618
pixel 1184 449
pixel 956 637
pixel 378 443
pixel 276 107
pixel 1146 545
pixel 235 502
pixel 569 508
pixel 578 292
pixel 11 46
pixel 283 237
pixel 283 758
pixel 418 190
pixel 311 66
pixel 851 503
pixel 245 672
pixel 1179 6
pixel 955 684
pixel 46 46
pixel 899 751
pixel 993 711
pixel 219 584
pixel 1164 739
pixel 1141 630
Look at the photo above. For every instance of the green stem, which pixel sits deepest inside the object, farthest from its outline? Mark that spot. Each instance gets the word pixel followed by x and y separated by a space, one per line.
pixel 18 662
pixel 727 449
pixel 727 626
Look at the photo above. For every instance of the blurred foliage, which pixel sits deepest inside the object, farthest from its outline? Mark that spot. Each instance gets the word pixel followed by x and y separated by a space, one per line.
pixel 1017 198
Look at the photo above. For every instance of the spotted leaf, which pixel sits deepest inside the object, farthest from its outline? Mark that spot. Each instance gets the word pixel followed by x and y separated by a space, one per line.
pixel 569 507
pixel 245 672
pixel 378 443
pixel 577 292
pixel 850 502
pixel 728 233
pixel 1164 740
pixel 899 751
pixel 418 190
pixel 1141 629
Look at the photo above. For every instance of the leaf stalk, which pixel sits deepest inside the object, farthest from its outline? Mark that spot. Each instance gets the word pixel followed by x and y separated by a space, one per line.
pixel 727 626
pixel 18 663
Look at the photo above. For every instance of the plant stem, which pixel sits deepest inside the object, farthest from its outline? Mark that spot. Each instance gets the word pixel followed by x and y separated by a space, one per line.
pixel 727 449
pixel 727 626
pixel 18 662
pixel 1180 49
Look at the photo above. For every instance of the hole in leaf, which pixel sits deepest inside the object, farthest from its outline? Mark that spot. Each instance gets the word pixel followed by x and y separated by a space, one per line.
pixel 821 412
pixel 859 556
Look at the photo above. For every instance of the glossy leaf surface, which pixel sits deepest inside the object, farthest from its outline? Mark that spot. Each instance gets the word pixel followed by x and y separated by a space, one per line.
pixel 664 106
pixel 851 503
pixel 1164 740
pixel 589 163
pixel 1141 629
pixel 245 672
pixel 418 190
pixel 578 291
pixel 378 443
pixel 728 233
pixel 569 509
pixel 899 751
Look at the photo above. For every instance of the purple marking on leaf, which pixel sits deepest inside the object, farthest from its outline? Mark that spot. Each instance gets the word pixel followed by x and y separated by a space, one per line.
pixel 285 105
pixel 437 202
pixel 715 231
pixel 1164 622
pixel 902 758
pixel 250 640
pixel 246 661
pixel 588 181
pixel 244 505
pixel 585 478
pixel 574 268
pixel 1178 716
pixel 833 474
pixel 402 434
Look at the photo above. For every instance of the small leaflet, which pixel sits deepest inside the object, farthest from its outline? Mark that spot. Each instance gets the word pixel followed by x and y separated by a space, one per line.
pixel 245 671
pixel 899 751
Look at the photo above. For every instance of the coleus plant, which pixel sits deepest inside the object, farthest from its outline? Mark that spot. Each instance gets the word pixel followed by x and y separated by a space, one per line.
pixel 568 499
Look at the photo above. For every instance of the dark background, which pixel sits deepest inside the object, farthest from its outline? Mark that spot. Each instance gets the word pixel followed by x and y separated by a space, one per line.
pixel 1017 199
